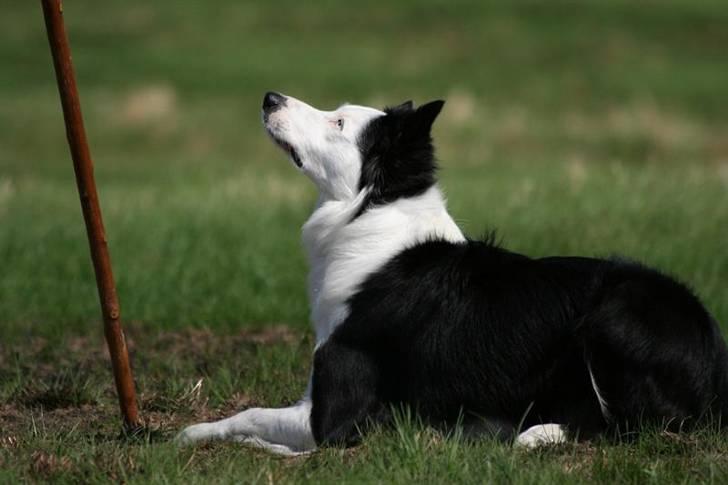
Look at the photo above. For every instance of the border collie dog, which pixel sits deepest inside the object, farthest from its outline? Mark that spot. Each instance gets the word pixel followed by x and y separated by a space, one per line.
pixel 410 312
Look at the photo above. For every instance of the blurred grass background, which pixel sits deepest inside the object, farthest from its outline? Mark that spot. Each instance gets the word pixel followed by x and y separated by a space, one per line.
pixel 590 128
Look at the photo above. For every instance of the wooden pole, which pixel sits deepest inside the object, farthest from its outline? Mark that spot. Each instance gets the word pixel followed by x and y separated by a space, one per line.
pixel 83 166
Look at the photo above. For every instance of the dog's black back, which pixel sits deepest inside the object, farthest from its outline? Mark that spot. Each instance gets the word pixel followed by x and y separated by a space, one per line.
pixel 471 329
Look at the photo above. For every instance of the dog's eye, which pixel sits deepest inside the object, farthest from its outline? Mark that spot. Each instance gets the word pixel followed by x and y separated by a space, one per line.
pixel 340 123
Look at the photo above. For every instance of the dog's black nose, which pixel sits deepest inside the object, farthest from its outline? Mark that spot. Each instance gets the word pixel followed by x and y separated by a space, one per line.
pixel 272 101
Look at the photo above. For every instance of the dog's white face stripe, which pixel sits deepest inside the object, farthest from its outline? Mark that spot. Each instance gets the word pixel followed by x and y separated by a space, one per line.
pixel 323 144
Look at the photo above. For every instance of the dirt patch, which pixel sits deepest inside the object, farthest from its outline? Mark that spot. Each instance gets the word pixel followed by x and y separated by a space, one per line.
pixel 461 106
pixel 67 385
pixel 53 398
pixel 201 340
pixel 152 103
pixel 48 464
pixel 271 335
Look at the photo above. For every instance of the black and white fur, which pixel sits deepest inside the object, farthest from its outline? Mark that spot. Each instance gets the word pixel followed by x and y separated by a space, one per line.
pixel 408 311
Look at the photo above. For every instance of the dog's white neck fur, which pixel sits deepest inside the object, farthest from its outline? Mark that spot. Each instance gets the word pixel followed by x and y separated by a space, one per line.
pixel 342 252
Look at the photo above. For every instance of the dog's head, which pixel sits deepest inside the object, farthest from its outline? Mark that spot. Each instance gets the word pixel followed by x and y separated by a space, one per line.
pixel 389 153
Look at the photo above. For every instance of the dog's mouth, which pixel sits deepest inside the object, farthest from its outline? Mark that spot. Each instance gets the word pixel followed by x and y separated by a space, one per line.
pixel 288 148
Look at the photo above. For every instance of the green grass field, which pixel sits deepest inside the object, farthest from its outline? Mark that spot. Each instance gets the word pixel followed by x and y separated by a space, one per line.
pixel 589 128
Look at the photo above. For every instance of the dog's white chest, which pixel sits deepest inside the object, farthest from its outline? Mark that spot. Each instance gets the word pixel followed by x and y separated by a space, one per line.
pixel 344 252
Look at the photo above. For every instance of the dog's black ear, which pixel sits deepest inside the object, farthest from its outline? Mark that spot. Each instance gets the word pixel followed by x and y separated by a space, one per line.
pixel 406 106
pixel 427 113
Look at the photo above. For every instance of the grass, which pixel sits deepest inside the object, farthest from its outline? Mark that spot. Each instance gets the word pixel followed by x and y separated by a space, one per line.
pixel 56 424
pixel 590 128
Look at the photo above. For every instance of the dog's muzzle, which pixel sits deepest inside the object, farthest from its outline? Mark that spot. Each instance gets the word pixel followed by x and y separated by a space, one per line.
pixel 272 102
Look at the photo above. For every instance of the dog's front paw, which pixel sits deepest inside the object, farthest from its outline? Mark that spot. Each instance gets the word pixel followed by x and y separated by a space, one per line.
pixel 196 433
pixel 541 435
